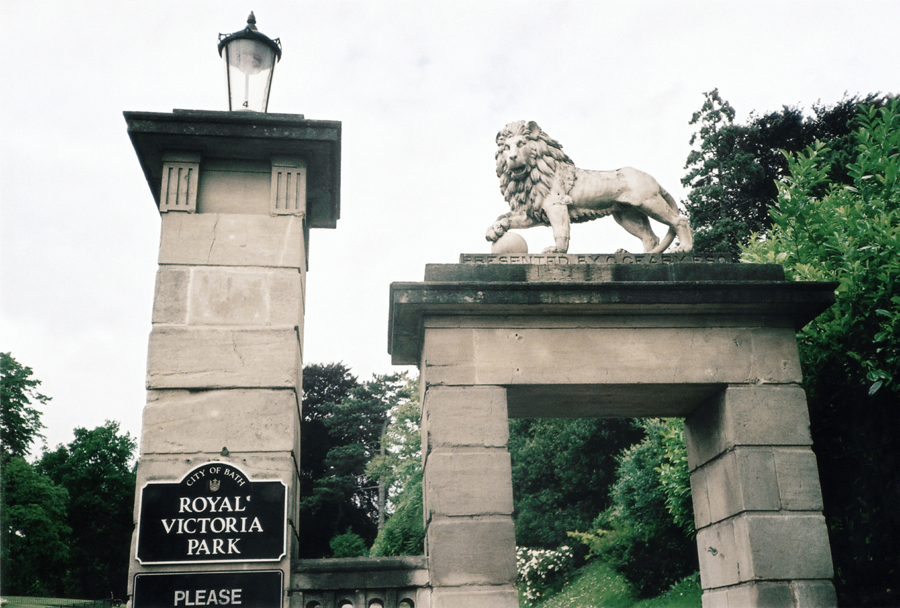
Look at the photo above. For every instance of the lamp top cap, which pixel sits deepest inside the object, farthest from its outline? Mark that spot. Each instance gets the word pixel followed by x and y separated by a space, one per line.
pixel 251 32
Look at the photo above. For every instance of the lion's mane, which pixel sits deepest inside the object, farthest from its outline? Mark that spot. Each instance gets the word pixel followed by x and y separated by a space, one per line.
pixel 548 164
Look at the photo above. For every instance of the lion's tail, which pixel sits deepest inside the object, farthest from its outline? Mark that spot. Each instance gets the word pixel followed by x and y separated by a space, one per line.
pixel 670 235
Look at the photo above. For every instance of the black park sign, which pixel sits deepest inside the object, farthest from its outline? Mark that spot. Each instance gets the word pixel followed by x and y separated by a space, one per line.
pixel 215 514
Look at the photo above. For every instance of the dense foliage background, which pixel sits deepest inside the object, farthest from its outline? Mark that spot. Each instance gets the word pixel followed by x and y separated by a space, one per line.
pixel 848 230
pixel 66 519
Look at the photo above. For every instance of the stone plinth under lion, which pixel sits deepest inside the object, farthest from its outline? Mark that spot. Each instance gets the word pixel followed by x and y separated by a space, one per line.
pixel 544 188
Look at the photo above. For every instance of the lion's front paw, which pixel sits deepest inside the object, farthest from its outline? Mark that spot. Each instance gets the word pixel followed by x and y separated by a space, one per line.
pixel 497 230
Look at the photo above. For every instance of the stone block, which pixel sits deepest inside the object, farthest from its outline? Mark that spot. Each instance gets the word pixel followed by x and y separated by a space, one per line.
pixel 464 416
pixel 720 563
pixel 470 482
pixel 225 239
pixel 715 598
pixel 358 572
pixel 814 594
pixel 783 546
pixel 170 303
pixel 186 422
pixel 798 479
pixel 209 295
pixel 499 596
pixel 775 594
pixel 472 551
pixel 761 595
pixel 645 355
pixel 700 498
pixel 747 415
pixel 234 187
pixel 742 480
pixel 223 358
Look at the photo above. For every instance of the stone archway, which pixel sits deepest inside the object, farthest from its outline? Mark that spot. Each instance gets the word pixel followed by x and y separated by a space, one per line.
pixel 573 336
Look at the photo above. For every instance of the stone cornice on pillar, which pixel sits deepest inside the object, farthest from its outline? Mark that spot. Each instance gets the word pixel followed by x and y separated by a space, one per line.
pixel 246 137
pixel 598 289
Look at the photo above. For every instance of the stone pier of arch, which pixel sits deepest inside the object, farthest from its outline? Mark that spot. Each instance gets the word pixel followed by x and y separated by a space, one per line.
pixel 696 336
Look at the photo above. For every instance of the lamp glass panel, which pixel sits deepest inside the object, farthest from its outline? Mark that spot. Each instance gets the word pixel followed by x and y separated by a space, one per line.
pixel 250 64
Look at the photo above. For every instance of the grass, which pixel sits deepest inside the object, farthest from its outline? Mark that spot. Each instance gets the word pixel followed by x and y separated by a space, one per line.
pixel 598 585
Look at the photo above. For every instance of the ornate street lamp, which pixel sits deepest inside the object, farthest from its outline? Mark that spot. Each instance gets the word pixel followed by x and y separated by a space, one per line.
pixel 250 59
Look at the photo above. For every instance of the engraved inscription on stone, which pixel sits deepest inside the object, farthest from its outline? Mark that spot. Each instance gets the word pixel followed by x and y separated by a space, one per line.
pixel 599 258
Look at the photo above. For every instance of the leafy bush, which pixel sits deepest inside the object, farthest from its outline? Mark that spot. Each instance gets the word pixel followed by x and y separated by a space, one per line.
pixel 562 470
pixel 542 572
pixel 674 475
pixel 404 532
pixel 348 544
pixel 639 535
pixel 850 234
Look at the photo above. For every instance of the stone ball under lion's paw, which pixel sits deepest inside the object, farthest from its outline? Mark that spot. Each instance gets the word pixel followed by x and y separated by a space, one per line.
pixel 509 243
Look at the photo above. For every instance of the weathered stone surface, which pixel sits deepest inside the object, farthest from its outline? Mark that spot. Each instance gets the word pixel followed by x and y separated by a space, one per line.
pixel 747 415
pixel 468 482
pixel 223 358
pixel 360 573
pixel 761 595
pixel 798 479
pixel 790 303
pixel 720 562
pixel 715 598
pixel 781 594
pixel 215 239
pixel 170 302
pixel 597 268
pixel 760 546
pixel 783 546
pixel 814 594
pixel 246 136
pixel 502 596
pixel 473 356
pixel 472 551
pixel 234 186
pixel 700 498
pixel 742 480
pixel 209 295
pixel 464 416
pixel 187 422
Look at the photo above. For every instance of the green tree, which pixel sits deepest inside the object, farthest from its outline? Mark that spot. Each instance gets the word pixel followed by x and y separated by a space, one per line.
pixel 20 424
pixel 322 383
pixel 733 169
pixel 398 468
pixel 638 534
pixel 340 495
pixel 717 170
pixel 562 471
pixel 98 471
pixel 34 551
pixel 850 234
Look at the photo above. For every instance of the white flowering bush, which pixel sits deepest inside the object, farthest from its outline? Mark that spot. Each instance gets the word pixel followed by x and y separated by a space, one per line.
pixel 542 572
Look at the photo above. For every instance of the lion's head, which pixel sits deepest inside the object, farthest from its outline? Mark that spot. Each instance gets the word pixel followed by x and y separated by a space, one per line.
pixel 527 161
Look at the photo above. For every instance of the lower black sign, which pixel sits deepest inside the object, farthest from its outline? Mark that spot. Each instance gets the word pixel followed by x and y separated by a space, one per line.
pixel 215 514
pixel 246 589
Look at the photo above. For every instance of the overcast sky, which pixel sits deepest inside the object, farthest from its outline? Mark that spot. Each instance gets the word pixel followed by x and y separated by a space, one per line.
pixel 421 89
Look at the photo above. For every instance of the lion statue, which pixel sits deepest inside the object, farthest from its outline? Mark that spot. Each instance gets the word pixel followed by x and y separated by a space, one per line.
pixel 544 188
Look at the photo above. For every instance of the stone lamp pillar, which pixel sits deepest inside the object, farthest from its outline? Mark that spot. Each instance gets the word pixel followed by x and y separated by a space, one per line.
pixel 238 193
